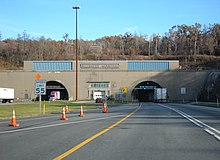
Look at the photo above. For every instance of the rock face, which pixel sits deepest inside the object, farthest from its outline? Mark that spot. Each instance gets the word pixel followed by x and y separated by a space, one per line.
pixel 211 89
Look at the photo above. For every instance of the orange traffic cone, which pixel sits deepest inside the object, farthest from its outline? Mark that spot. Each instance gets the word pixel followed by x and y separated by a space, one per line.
pixel 64 115
pixel 67 109
pixel 13 120
pixel 81 114
pixel 105 108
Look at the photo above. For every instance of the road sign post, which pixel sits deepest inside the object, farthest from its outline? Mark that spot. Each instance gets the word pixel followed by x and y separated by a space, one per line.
pixel 40 89
pixel 40 103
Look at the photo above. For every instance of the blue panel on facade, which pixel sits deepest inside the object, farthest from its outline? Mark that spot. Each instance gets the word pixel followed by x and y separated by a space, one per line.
pixel 148 66
pixel 52 66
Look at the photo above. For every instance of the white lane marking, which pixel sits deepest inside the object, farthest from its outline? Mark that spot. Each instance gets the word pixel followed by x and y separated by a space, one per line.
pixel 60 124
pixel 46 117
pixel 33 119
pixel 212 131
pixel 37 118
pixel 217 137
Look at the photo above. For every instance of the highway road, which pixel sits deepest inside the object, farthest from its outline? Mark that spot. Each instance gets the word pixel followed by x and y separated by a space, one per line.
pixel 128 132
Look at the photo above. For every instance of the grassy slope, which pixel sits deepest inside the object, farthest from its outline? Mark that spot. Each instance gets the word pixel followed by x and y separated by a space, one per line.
pixel 32 109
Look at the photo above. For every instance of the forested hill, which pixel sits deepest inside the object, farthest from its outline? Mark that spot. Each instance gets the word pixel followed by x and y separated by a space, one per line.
pixel 196 46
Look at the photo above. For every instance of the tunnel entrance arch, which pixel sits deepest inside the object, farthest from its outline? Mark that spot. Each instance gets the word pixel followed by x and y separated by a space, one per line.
pixel 56 87
pixel 144 91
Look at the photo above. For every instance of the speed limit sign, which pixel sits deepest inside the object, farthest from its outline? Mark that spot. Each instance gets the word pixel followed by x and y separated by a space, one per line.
pixel 40 87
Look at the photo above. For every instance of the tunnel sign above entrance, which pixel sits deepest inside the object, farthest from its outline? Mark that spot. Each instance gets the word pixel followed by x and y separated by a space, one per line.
pixel 147 87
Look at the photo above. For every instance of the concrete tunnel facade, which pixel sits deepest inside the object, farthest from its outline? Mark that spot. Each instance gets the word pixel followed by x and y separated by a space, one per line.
pixel 109 77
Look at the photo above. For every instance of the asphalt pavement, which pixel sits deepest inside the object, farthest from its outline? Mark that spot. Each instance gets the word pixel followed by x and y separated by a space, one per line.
pixel 127 132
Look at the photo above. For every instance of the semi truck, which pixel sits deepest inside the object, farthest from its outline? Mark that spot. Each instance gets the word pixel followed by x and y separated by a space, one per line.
pixel 6 95
pixel 160 95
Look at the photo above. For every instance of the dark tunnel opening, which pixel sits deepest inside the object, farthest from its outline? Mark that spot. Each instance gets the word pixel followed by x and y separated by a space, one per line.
pixel 144 91
pixel 54 87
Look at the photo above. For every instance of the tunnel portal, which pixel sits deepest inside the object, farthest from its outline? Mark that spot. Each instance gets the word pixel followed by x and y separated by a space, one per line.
pixel 144 91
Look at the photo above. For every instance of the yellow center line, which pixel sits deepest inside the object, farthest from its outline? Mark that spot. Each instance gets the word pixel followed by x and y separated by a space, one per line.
pixel 93 137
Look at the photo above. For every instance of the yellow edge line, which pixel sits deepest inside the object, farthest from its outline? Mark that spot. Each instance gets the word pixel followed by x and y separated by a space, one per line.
pixel 92 138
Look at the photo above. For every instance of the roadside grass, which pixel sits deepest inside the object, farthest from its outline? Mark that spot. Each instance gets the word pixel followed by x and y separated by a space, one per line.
pixel 199 103
pixel 119 102
pixel 32 109
pixel 207 104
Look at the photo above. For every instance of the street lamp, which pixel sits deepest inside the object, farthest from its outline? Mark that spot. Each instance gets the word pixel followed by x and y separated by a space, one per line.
pixel 76 7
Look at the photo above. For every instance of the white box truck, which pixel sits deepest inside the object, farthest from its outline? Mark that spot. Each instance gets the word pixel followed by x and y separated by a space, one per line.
pixel 160 95
pixel 98 94
pixel 6 95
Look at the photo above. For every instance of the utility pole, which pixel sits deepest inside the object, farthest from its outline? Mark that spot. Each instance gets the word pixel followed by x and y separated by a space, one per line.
pixel 76 64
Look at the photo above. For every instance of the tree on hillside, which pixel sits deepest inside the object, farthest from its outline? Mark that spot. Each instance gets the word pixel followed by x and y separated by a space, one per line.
pixel 183 42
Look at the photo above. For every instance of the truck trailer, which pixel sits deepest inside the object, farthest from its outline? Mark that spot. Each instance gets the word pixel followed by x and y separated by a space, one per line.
pixel 6 95
pixel 160 95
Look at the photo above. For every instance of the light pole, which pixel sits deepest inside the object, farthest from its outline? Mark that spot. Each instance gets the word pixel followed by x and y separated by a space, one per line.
pixel 76 7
